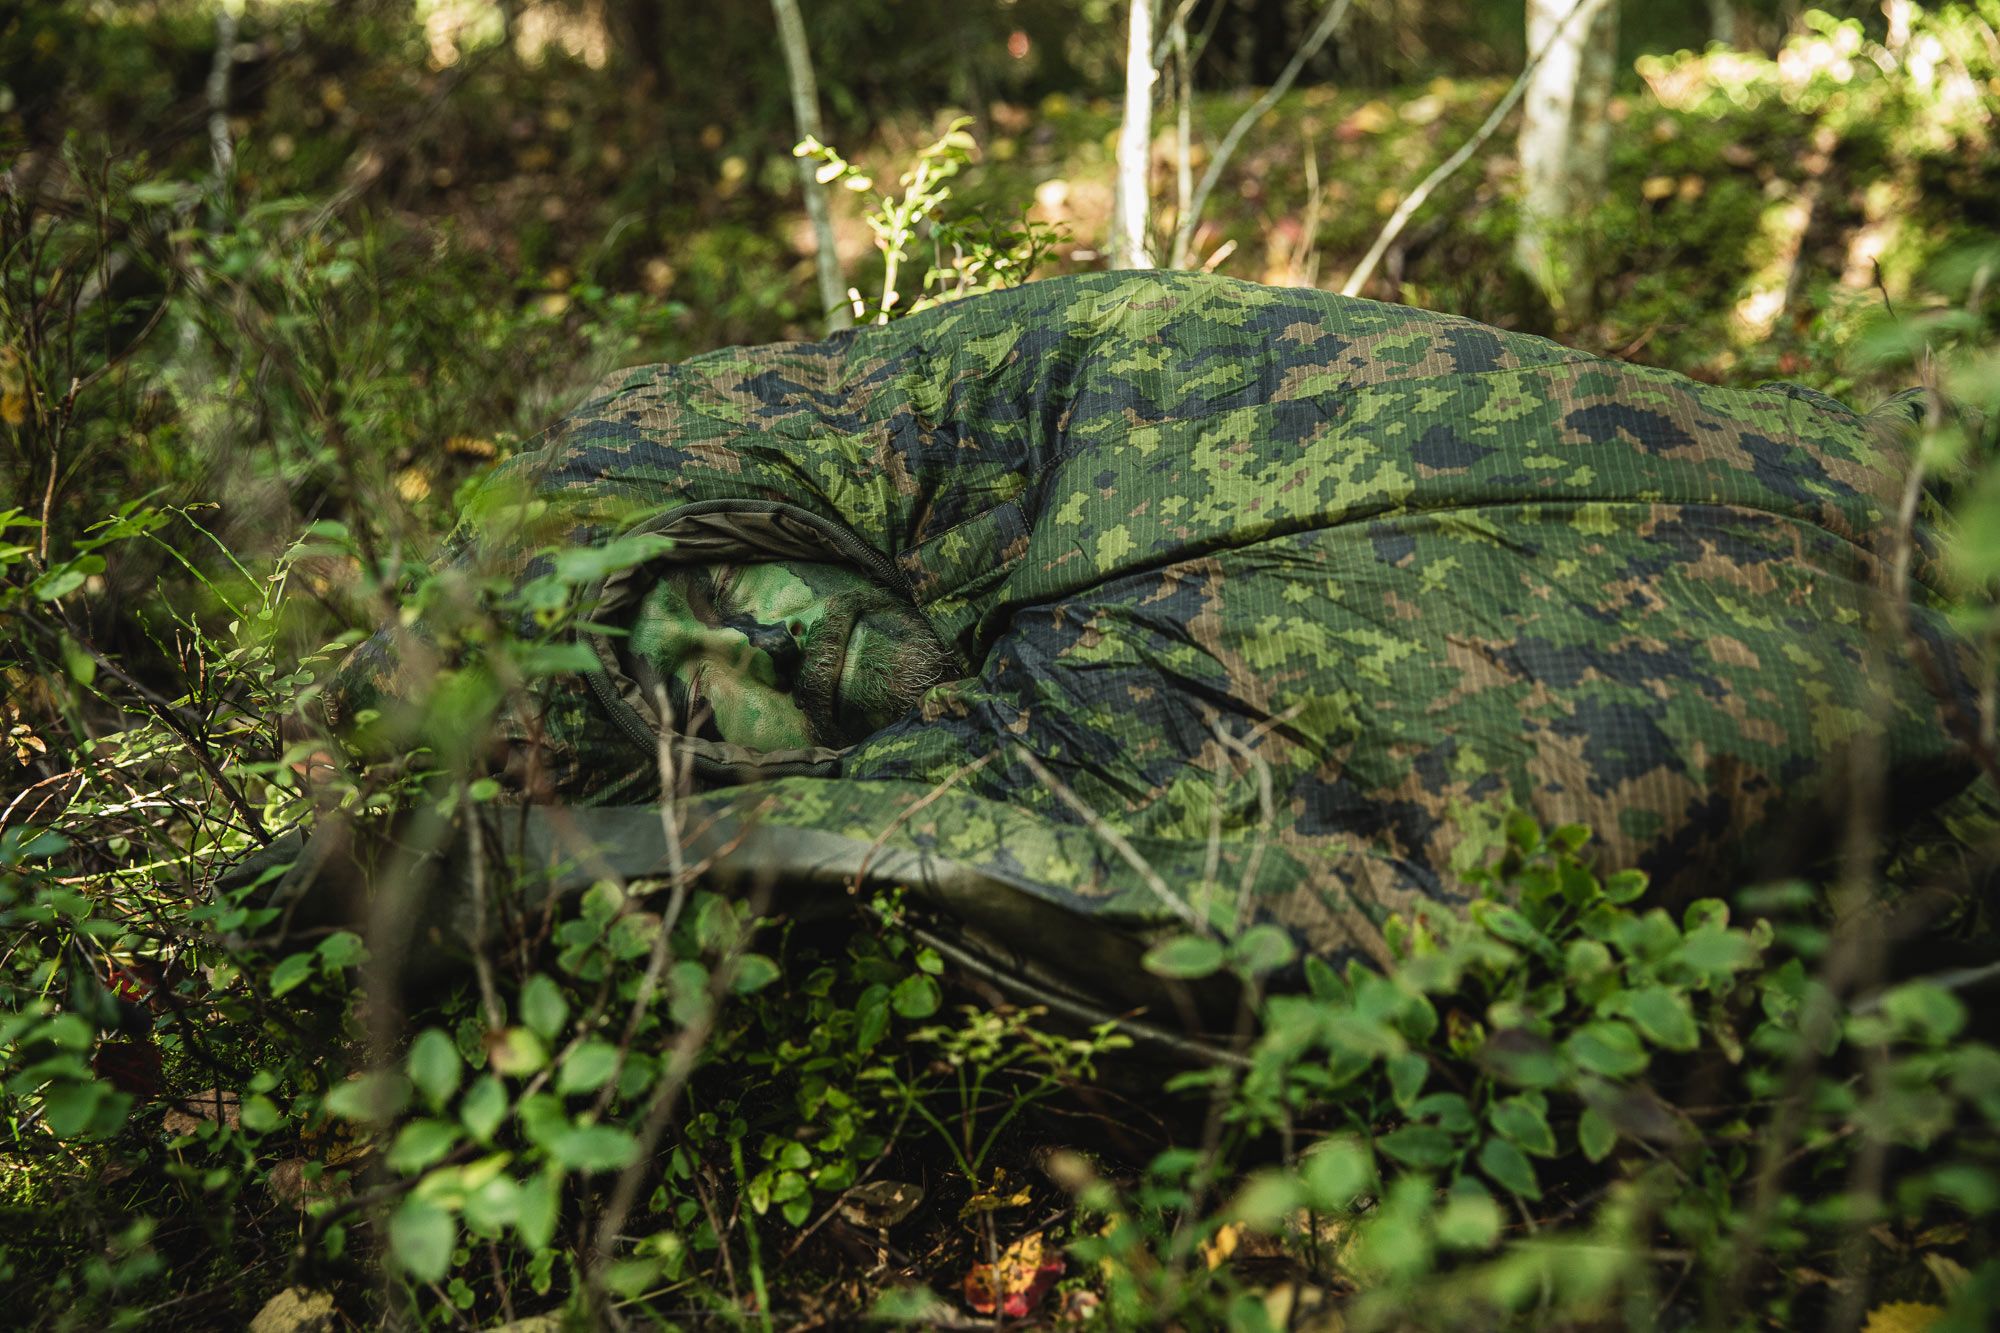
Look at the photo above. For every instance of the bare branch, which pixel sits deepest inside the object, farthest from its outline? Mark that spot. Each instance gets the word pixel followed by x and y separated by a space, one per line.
pixel 1184 226
pixel 805 115
pixel 1415 199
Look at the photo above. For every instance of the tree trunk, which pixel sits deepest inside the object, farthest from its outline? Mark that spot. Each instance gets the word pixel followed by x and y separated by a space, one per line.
pixel 1131 219
pixel 1722 22
pixel 805 112
pixel 1565 141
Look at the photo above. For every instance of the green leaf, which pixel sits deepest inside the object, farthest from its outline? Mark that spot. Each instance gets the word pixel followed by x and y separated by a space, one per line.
pixel 515 1052
pixel 1506 1166
pixel 421 1235
pixel 341 949
pixel 1523 1122
pixel 535 1211
pixel 1185 957
pixel 1336 1172
pixel 543 1007
pixel 587 1068
pixel 1264 949
pixel 594 1148
pixel 82 666
pixel 260 1115
pixel 587 563
pixel 1407 1073
pixel 1505 923
pixel 70 1107
pixel 1521 1057
pixel 1449 1109
pixel 1421 1146
pixel 434 1066
pixel 1714 952
pixel 916 996
pixel 291 972
pixel 420 1144
pixel 1924 1011
pixel 1665 1017
pixel 753 972
pixel 1470 1218
pixel 1624 886
pixel 1609 1048
pixel 377 1097
pixel 483 1108
pixel 1267 1199
pixel 1595 1134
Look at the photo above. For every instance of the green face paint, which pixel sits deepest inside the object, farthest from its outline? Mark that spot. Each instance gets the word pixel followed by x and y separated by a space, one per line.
pixel 782 656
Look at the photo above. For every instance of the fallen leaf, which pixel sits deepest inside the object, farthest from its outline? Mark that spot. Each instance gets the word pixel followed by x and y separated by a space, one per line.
pixel 1014 1286
pixel 288 1184
pixel 993 1198
pixel 880 1204
pixel 295 1310
pixel 1950 1274
pixel 191 1112
pixel 1902 1317
pixel 1215 1251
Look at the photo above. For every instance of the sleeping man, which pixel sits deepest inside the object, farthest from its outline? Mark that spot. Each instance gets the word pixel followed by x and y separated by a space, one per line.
pixel 1114 606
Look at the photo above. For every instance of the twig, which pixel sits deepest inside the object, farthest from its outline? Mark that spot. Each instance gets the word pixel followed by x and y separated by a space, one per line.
pixel 805 116
pixel 1266 820
pixel 168 715
pixel 1112 838
pixel 1184 225
pixel 910 811
pixel 1415 199
pixel 221 147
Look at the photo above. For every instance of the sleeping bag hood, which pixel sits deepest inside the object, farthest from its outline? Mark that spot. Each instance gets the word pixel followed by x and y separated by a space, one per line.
pixel 1264 603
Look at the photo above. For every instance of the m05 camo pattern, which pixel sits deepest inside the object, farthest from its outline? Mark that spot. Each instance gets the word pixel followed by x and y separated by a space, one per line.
pixel 1295 592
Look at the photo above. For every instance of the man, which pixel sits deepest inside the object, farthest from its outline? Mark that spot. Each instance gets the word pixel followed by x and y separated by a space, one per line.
pixel 1117 606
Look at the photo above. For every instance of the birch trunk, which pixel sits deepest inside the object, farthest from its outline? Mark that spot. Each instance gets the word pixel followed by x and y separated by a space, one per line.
pixel 805 113
pixel 1565 139
pixel 1131 214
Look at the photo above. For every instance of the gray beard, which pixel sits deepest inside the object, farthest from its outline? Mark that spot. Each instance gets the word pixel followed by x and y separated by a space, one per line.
pixel 885 687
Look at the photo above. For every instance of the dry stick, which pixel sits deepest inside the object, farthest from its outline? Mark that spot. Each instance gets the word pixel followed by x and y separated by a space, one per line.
pixel 1405 210
pixel 677 880
pixel 220 146
pixel 1183 123
pixel 1185 224
pixel 1266 820
pixel 488 996
pixel 909 812
pixel 168 714
pixel 805 116
pixel 1112 838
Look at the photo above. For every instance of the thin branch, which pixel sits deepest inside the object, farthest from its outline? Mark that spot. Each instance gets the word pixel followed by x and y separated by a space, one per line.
pixel 1184 226
pixel 1112 838
pixel 805 117
pixel 1415 199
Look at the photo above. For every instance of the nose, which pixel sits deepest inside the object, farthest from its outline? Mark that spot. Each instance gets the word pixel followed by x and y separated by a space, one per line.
pixel 775 642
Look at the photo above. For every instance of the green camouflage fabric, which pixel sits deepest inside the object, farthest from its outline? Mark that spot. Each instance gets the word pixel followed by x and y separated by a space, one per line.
pixel 1267 602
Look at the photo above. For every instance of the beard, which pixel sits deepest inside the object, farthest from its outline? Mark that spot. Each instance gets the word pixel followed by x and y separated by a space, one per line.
pixel 903 658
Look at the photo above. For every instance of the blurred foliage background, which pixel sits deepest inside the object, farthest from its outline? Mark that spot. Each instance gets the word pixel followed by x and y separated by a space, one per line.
pixel 278 276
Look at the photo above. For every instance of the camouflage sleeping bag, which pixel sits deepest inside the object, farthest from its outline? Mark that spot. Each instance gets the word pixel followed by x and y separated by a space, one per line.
pixel 1256 586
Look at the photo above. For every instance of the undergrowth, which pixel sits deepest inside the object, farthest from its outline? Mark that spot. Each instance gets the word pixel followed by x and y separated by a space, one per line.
pixel 233 422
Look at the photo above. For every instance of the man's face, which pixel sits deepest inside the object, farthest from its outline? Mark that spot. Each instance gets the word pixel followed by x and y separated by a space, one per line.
pixel 782 656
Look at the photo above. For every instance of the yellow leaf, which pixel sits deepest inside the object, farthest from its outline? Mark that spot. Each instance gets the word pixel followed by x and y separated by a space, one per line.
pixel 1902 1317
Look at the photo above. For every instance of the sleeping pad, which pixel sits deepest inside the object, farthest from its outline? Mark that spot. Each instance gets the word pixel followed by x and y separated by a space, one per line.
pixel 1263 602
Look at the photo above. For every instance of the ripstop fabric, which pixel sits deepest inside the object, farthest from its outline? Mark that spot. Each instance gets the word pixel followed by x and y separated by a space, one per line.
pixel 1266 602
